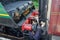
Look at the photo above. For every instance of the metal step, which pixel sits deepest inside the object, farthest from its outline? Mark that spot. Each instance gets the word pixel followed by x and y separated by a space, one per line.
pixel 55 37
pixel 11 37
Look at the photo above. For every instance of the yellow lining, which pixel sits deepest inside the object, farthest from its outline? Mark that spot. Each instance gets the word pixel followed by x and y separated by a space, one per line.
pixel 55 13
pixel 4 15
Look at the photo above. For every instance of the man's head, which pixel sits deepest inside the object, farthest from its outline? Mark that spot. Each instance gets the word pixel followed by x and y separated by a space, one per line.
pixel 17 15
pixel 42 23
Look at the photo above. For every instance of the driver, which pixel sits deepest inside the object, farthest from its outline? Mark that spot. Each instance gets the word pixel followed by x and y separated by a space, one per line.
pixel 36 35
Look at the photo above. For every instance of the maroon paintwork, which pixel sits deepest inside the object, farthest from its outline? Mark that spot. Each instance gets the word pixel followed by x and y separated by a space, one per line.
pixel 54 23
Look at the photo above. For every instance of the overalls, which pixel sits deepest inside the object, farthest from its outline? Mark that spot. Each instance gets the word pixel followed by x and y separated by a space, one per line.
pixel 35 36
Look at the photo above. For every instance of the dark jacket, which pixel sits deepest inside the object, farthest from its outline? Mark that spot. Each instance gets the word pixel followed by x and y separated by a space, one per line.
pixel 35 36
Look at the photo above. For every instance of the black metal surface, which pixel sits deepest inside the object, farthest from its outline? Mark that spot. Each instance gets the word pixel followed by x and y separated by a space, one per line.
pixel 8 22
pixel 43 16
pixel 43 10
pixel 11 37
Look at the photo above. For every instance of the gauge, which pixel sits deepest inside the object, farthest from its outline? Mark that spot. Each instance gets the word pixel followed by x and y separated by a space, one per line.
pixel 21 9
pixel 30 2
pixel 25 6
